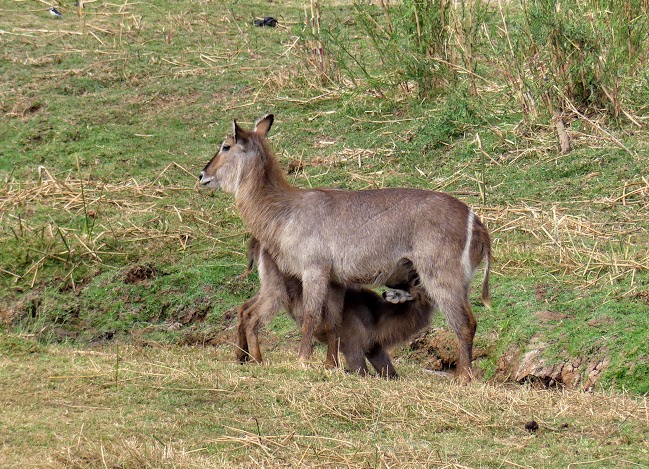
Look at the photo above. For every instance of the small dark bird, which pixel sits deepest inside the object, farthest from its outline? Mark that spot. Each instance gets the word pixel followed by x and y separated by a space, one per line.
pixel 56 13
pixel 267 21
pixel 531 426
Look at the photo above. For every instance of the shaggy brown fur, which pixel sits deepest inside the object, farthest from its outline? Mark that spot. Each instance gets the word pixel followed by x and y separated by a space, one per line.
pixel 328 237
pixel 370 324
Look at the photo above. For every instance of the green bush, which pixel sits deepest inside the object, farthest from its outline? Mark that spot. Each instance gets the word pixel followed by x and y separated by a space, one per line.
pixel 576 55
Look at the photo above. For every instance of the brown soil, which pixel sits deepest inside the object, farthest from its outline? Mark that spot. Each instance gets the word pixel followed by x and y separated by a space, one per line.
pixel 436 349
pixel 140 273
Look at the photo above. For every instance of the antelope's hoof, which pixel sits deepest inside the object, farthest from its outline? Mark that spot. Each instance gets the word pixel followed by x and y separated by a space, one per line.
pixel 330 364
pixel 397 296
pixel 463 377
pixel 243 358
pixel 303 361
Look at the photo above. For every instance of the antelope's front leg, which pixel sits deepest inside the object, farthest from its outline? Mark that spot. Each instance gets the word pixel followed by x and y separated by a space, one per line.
pixel 315 287
pixel 332 319
pixel 243 352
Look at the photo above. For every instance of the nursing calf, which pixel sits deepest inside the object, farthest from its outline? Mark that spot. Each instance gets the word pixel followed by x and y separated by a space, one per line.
pixel 370 325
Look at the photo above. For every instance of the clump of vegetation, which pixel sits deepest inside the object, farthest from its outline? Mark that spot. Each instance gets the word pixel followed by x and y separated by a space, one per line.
pixel 580 56
pixel 572 57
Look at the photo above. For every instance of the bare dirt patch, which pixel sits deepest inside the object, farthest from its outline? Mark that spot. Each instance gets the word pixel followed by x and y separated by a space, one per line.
pixel 222 333
pixel 549 316
pixel 6 315
pixel 436 350
pixel 643 296
pixel 140 273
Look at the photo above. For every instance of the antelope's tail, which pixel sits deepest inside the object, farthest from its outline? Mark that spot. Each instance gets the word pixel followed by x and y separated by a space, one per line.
pixel 486 297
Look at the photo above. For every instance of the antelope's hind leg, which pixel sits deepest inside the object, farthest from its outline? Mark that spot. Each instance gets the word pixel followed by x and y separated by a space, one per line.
pixel 460 317
pixel 457 312
pixel 465 337
pixel 252 323
pixel 449 290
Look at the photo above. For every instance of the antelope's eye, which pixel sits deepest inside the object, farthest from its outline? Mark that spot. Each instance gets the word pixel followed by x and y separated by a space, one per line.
pixel 225 147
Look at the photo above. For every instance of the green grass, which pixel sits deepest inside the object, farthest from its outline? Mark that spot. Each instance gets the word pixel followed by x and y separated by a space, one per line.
pixel 111 239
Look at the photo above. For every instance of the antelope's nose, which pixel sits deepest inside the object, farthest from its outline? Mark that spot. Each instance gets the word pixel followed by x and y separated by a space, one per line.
pixel 205 180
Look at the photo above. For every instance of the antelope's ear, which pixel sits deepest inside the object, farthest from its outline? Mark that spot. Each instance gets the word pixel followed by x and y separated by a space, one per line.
pixel 263 125
pixel 238 133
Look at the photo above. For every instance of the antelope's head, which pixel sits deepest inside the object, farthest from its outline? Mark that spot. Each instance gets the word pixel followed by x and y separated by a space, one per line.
pixel 236 157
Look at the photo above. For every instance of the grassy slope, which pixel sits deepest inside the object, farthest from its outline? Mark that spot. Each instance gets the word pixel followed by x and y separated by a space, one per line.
pixel 194 407
pixel 123 117
pixel 113 240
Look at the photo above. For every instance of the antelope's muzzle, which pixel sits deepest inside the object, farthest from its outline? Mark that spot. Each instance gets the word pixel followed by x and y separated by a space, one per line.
pixel 204 179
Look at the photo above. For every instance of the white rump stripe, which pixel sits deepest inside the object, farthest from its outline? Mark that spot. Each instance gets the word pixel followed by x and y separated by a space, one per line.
pixel 466 258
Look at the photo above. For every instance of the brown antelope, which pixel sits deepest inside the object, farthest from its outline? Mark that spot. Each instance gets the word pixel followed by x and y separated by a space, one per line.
pixel 370 323
pixel 345 237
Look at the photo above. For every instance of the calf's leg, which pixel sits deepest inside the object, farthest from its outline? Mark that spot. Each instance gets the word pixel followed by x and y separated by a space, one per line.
pixel 380 360
pixel 354 357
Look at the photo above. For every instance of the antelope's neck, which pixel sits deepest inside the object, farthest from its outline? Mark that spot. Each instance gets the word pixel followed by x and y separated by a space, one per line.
pixel 265 207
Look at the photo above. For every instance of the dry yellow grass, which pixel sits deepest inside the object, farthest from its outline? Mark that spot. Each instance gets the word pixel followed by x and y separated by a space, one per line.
pixel 193 407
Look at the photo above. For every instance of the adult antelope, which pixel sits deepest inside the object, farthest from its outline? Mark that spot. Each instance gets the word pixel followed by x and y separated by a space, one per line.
pixel 343 237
